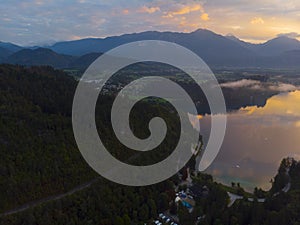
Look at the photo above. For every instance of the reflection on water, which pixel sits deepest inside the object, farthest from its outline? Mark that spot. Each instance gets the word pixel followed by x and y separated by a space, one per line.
pixel 256 140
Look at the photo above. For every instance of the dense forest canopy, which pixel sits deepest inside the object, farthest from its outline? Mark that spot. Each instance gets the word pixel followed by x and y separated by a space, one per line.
pixel 39 159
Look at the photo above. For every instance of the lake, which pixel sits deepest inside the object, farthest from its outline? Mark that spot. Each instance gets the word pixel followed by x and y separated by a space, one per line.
pixel 256 140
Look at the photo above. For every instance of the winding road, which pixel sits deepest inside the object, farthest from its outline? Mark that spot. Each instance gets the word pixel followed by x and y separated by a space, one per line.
pixel 233 197
pixel 57 197
pixel 48 199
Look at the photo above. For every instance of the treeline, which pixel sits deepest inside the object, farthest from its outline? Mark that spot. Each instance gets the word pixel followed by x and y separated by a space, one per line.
pixel 279 207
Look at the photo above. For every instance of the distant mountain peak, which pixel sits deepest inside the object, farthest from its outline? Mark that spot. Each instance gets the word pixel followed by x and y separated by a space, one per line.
pixel 215 49
pixel 232 37
pixel 10 47
pixel 284 40
pixel 39 56
pixel 38 50
pixel 202 31
pixel 229 35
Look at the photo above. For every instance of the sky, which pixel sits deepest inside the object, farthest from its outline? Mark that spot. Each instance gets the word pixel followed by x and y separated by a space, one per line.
pixel 39 22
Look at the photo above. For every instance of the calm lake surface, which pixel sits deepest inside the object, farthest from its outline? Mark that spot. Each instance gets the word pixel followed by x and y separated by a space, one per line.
pixel 256 140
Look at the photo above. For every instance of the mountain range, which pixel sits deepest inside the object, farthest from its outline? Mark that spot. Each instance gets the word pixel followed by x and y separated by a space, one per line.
pixel 216 50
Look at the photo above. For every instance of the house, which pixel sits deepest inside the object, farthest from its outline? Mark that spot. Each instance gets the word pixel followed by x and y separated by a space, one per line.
pixel 198 191
pixel 186 200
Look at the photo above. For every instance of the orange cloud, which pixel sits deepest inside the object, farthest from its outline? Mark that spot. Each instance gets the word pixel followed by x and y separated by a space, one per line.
pixel 191 25
pixel 297 124
pixel 284 104
pixel 184 10
pixel 125 11
pixel 257 20
pixel 149 10
pixel 188 9
pixel 235 27
pixel 205 17
pixel 185 23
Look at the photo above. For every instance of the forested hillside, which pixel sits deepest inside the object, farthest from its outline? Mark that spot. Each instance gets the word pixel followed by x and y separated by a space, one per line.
pixel 39 156
pixel 39 159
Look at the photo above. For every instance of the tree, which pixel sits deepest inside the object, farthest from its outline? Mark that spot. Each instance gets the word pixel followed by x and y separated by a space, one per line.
pixel 184 216
pixel 163 202
pixel 173 208
pixel 126 219
pixel 144 213
pixel 153 208
pixel 118 221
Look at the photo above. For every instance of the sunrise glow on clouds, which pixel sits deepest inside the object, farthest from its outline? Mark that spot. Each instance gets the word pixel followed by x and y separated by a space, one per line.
pixel 39 21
